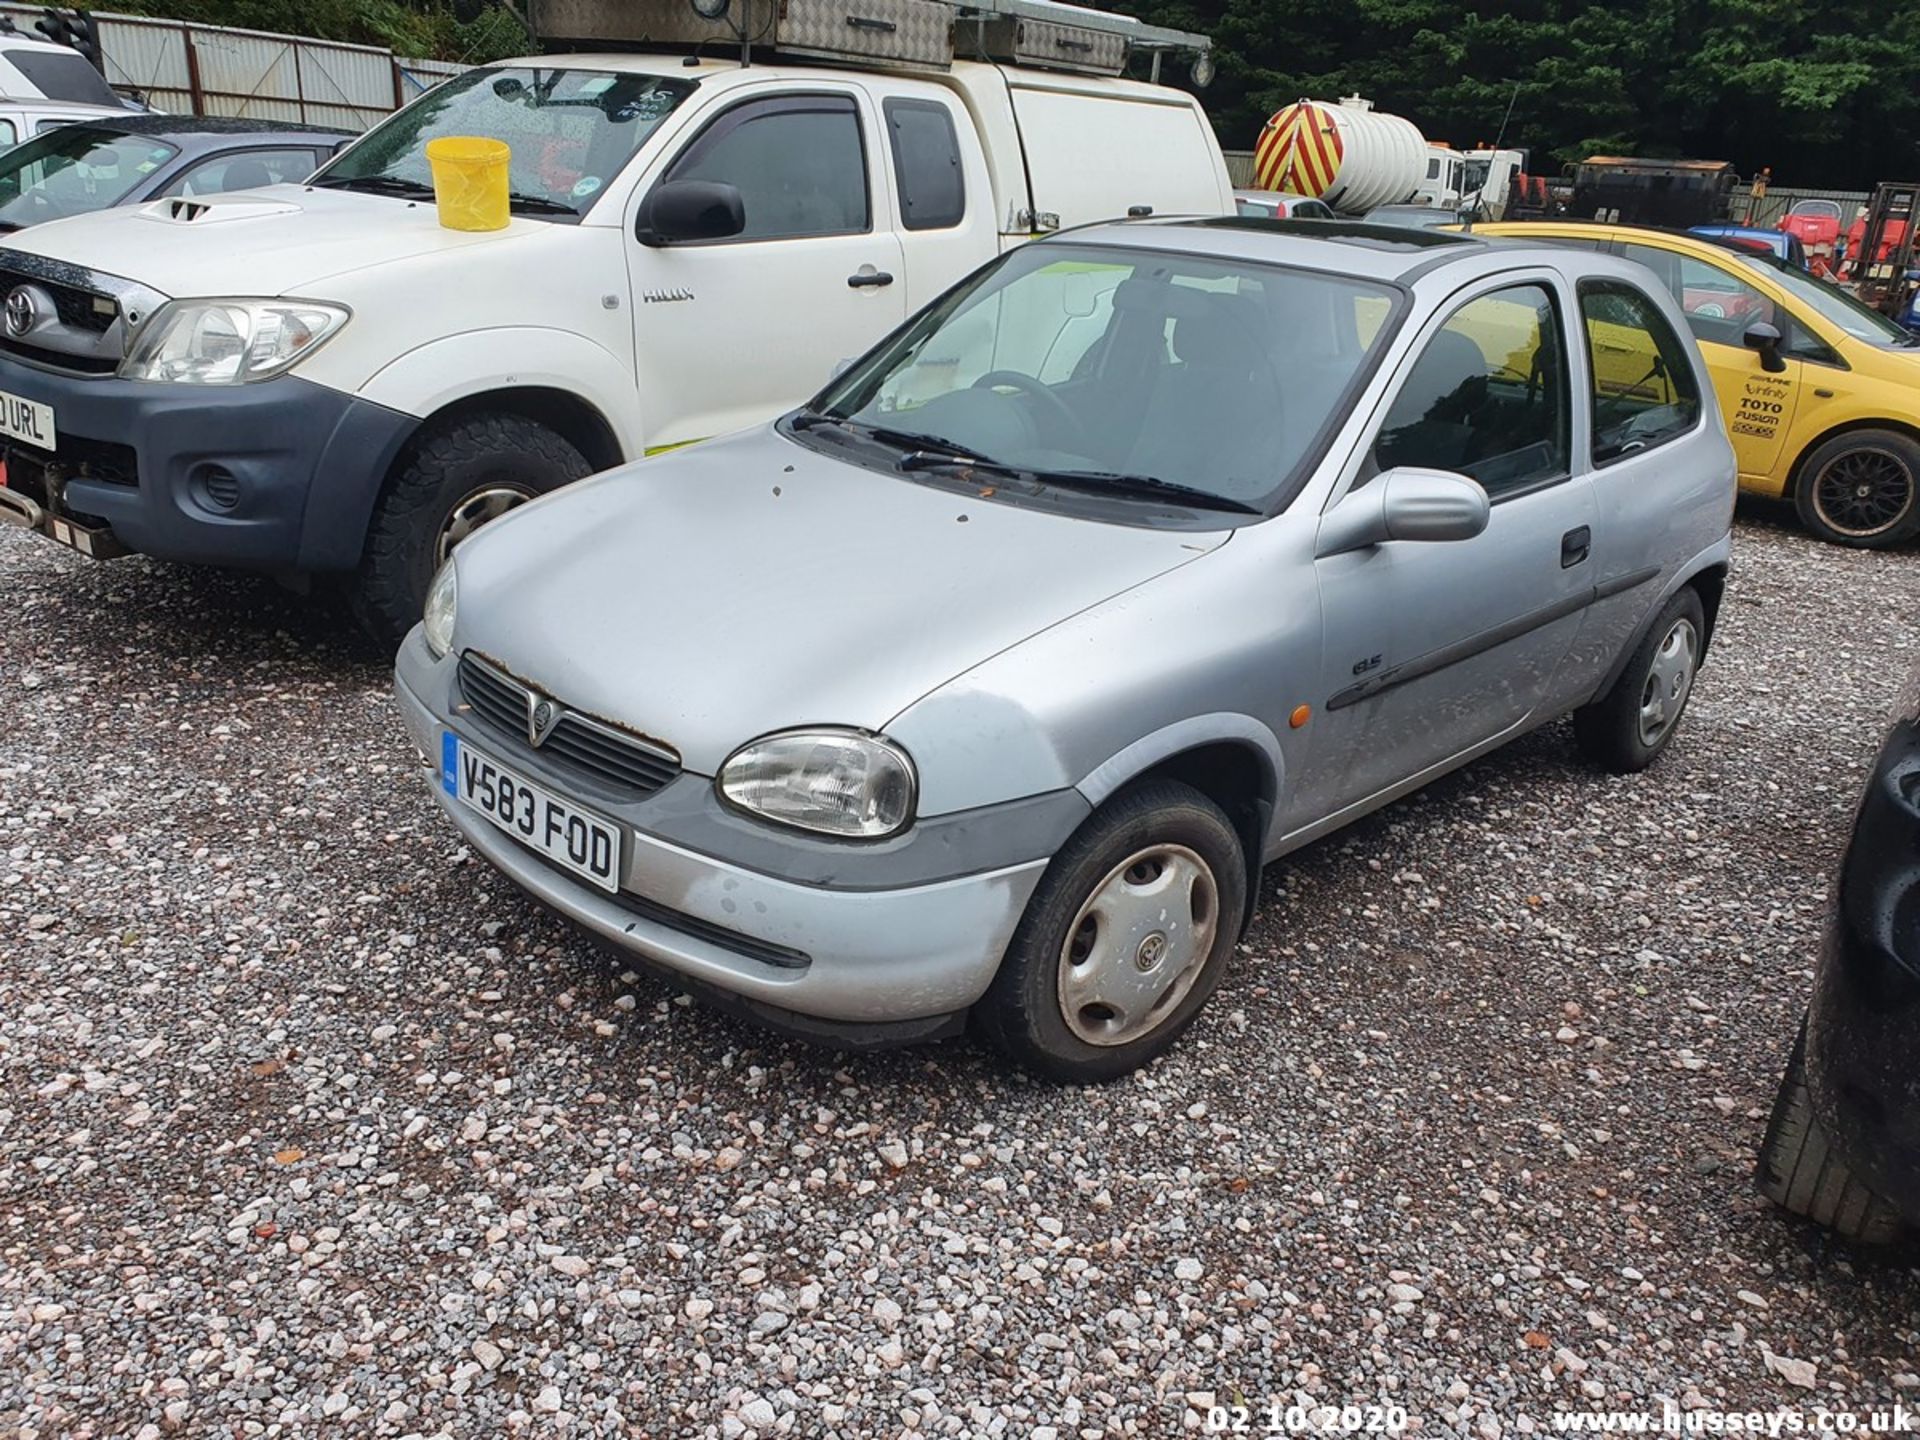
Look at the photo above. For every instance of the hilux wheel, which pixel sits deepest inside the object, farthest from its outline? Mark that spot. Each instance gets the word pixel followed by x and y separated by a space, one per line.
pixel 1861 489
pixel 1799 1172
pixel 452 479
pixel 1626 729
pixel 1124 939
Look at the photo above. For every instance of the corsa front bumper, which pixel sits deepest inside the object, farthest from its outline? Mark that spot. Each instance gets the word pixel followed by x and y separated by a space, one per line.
pixel 841 960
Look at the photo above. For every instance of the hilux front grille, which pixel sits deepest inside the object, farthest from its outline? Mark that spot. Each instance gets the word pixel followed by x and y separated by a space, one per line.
pixel 77 308
pixel 577 741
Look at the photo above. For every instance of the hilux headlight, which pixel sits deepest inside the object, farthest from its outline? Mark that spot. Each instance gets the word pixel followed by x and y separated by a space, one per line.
pixel 228 342
pixel 443 606
pixel 833 782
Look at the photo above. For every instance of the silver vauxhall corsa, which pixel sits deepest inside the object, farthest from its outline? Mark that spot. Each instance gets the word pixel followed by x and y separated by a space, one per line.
pixel 983 685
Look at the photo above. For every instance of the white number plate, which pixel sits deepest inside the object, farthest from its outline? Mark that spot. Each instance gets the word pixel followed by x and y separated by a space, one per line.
pixel 532 814
pixel 27 420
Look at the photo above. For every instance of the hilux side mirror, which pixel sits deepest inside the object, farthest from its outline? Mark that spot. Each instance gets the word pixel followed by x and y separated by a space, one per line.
pixel 1404 503
pixel 1766 339
pixel 677 210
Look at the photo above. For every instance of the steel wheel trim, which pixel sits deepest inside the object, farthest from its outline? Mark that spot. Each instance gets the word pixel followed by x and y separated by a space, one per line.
pixel 1669 681
pixel 1864 492
pixel 1138 944
pixel 475 510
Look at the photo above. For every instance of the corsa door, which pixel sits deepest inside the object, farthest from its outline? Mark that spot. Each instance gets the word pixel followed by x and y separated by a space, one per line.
pixel 729 333
pixel 1434 649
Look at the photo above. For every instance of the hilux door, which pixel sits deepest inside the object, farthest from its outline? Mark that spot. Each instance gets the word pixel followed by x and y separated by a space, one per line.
pixel 731 332
pixel 1435 648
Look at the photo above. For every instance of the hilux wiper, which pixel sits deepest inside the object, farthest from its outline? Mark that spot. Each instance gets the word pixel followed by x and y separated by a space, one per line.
pixel 375 184
pixel 539 204
pixel 1113 482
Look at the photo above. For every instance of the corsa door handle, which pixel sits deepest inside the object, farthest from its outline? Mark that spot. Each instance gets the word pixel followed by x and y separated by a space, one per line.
pixel 869 279
pixel 1575 546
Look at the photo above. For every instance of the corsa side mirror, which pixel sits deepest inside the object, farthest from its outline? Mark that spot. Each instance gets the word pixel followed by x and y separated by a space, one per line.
pixel 1405 503
pixel 1765 338
pixel 681 210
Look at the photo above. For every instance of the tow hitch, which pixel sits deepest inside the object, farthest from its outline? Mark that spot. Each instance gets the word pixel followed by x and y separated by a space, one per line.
pixel 27 513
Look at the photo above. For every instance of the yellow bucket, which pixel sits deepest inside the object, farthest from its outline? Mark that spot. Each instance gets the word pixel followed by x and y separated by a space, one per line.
pixel 470 181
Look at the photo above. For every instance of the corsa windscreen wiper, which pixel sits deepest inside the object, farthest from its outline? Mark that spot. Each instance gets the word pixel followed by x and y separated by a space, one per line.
pixel 1113 482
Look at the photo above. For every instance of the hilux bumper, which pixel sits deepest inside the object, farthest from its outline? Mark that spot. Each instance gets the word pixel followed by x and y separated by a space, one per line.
pixel 1863 1026
pixel 852 953
pixel 279 474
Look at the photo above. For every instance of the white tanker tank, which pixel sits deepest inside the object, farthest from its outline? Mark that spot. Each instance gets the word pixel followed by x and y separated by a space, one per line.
pixel 1350 155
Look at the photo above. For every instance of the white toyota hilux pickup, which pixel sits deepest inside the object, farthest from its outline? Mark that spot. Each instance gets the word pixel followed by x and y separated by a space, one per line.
pixel 321 379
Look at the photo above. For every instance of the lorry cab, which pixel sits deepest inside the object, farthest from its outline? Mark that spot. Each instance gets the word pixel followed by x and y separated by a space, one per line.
pixel 322 378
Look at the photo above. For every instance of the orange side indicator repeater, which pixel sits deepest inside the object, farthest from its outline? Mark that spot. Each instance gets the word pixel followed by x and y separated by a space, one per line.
pixel 1301 714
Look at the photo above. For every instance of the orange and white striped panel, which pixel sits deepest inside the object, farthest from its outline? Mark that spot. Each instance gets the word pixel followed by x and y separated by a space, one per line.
pixel 1299 151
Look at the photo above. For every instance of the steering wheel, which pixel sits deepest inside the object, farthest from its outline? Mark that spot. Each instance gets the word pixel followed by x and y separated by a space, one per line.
pixel 1028 386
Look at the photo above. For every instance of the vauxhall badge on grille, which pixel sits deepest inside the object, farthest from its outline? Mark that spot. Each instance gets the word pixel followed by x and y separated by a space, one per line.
pixel 542 716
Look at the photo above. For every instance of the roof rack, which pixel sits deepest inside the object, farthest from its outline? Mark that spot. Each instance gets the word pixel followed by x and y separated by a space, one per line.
pixel 919 34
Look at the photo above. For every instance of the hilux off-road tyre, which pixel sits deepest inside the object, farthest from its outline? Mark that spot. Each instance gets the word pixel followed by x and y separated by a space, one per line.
pixel 1126 936
pixel 451 479
pixel 1799 1172
pixel 1626 729
pixel 1861 489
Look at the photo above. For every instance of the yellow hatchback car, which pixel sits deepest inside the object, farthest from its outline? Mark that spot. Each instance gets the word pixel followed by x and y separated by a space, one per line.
pixel 1821 395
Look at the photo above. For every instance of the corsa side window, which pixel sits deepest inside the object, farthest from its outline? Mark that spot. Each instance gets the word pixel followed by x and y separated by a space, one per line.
pixel 1644 390
pixel 926 163
pixel 798 162
pixel 1488 396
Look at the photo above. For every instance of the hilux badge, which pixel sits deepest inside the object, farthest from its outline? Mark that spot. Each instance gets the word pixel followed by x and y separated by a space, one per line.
pixel 21 312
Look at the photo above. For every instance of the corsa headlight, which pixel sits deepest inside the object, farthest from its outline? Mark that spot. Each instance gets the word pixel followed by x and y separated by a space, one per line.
pixel 443 604
pixel 832 782
pixel 228 342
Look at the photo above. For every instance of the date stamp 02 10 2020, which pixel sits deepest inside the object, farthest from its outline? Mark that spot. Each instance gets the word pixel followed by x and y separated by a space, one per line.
pixel 1276 1418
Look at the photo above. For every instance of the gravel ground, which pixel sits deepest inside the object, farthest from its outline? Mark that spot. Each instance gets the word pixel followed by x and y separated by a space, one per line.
pixel 310 1125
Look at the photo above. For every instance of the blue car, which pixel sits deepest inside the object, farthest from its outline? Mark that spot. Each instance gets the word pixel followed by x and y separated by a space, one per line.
pixel 1776 243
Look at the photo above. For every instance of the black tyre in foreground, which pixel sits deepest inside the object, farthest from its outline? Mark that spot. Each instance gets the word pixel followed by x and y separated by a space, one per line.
pixel 1124 940
pixel 1625 730
pixel 1799 1170
pixel 453 478
pixel 1861 489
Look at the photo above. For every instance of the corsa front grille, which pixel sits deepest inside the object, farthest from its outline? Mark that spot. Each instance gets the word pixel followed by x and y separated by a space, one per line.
pixel 576 741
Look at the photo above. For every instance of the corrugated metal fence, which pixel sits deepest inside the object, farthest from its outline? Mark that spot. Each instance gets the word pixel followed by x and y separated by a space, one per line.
pixel 1767 211
pixel 211 70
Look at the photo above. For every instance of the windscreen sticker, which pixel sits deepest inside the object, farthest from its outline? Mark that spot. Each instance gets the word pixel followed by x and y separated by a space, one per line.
pixel 585 186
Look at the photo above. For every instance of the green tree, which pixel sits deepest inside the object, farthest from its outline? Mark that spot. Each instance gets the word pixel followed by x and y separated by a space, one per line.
pixel 1826 92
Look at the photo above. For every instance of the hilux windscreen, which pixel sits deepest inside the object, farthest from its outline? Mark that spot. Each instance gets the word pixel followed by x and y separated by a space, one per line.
pixel 569 133
pixel 74 170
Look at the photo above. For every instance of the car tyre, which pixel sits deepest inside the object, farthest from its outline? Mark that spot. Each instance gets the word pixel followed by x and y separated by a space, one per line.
pixel 1861 489
pixel 1799 1172
pixel 1096 982
pixel 1626 729
pixel 452 479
